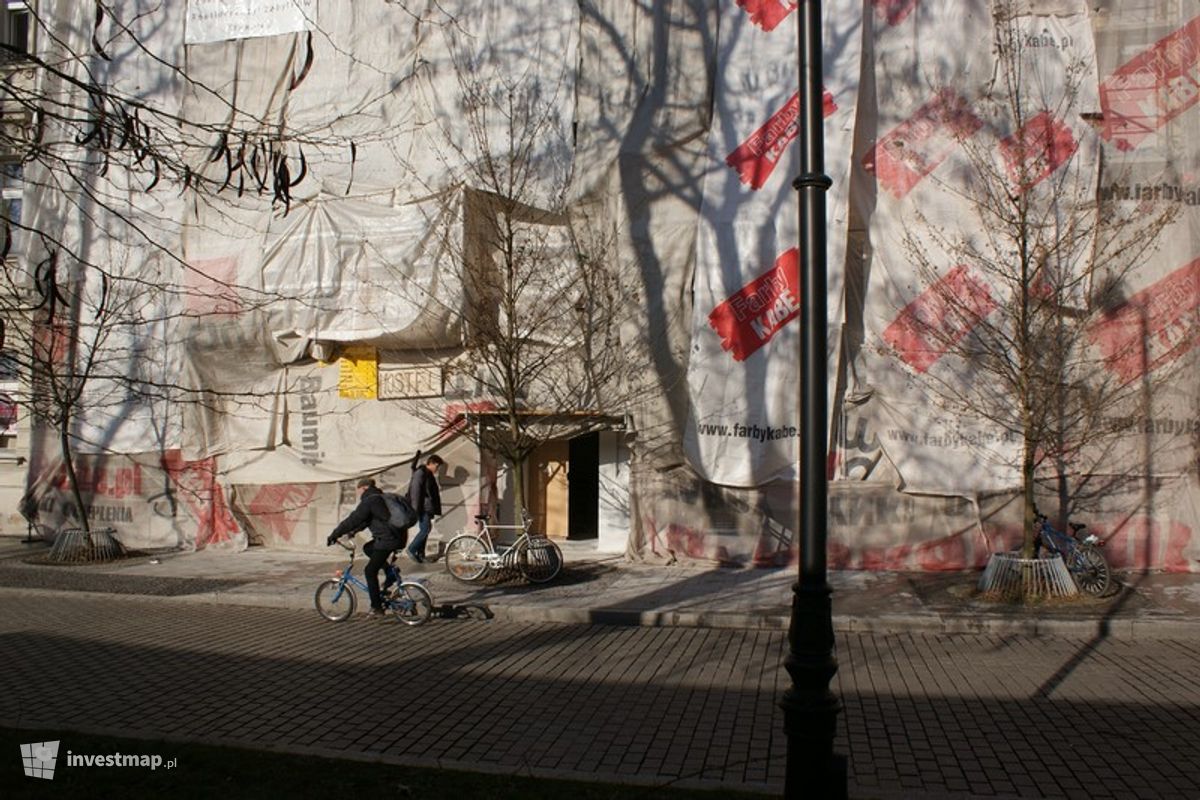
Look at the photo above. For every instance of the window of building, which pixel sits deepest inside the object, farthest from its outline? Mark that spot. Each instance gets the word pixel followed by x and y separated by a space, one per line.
pixel 14 25
pixel 11 186
pixel 10 388
pixel 10 370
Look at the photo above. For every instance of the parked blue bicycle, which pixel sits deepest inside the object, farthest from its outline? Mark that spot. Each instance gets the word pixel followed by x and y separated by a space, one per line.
pixel 408 600
pixel 1080 552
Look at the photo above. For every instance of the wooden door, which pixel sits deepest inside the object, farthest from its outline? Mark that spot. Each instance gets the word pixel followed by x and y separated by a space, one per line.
pixel 549 491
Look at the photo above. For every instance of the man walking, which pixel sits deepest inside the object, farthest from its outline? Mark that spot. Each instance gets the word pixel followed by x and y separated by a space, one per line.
pixel 425 497
pixel 372 512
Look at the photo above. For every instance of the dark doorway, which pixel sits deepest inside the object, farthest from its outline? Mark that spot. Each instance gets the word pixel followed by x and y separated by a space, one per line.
pixel 584 487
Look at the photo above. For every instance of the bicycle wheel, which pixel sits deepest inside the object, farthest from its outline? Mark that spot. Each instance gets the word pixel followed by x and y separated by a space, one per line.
pixel 412 604
pixel 539 559
pixel 335 602
pixel 466 557
pixel 1091 571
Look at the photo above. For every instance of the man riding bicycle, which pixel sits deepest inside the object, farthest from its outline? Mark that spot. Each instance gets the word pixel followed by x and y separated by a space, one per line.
pixel 372 512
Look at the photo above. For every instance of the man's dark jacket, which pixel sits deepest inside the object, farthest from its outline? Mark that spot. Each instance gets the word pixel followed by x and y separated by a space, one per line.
pixel 371 512
pixel 423 493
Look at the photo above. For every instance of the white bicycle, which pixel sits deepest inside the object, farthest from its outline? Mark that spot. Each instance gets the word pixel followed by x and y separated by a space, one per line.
pixel 471 556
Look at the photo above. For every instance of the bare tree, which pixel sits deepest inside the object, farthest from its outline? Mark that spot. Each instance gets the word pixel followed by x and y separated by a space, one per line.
pixel 542 297
pixel 72 336
pixel 102 160
pixel 1015 287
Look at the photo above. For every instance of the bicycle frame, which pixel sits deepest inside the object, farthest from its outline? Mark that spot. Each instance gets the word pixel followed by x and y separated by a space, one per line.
pixel 471 555
pixel 495 555
pixel 1061 542
pixel 1082 557
pixel 410 601
pixel 346 575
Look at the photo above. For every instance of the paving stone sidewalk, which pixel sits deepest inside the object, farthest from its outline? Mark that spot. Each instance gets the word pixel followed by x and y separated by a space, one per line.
pixel 927 716
pixel 604 588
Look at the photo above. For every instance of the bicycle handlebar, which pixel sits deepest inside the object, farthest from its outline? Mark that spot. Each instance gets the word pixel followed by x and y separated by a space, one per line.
pixel 351 547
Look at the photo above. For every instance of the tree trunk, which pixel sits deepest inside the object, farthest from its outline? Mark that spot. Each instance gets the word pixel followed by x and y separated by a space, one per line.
pixel 518 472
pixel 64 442
pixel 1028 516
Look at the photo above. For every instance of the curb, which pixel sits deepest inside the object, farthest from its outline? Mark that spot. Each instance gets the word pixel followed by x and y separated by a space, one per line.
pixel 1121 628
pixel 645 619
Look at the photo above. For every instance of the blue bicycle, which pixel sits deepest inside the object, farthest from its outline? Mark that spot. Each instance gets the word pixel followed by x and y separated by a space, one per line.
pixel 1080 552
pixel 408 600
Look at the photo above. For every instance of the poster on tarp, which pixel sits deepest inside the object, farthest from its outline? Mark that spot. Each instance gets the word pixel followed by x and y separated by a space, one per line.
pixel 149 501
pixel 358 377
pixel 218 20
pixel 743 371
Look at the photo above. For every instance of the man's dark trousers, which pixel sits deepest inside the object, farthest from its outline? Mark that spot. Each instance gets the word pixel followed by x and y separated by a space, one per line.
pixel 377 558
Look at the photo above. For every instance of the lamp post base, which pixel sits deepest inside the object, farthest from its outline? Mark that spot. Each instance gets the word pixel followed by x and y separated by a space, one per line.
pixel 810 709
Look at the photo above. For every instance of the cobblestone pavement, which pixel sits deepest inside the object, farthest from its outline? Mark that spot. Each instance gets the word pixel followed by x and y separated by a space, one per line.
pixel 926 715
pixel 596 588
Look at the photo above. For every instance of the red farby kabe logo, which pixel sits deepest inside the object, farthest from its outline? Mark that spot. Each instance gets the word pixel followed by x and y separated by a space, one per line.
pixel 1155 326
pixel 1036 150
pixel 1152 88
pixel 767 14
pixel 752 315
pixel 201 492
pixel 102 480
pixel 209 287
pixel 755 159
pixel 939 318
pixel 915 147
pixel 281 507
pixel 893 12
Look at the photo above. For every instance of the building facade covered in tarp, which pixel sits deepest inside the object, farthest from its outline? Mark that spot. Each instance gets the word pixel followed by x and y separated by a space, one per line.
pixel 301 342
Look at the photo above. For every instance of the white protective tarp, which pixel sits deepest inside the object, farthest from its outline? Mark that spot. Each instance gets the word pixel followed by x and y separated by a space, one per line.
pixel 926 199
pixel 114 242
pixel 742 370
pixel 1149 69
pixel 361 255
pixel 684 116
pixel 239 293
pixel 1133 129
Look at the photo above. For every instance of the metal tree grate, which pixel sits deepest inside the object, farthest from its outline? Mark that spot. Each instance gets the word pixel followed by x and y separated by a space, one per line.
pixel 78 545
pixel 1010 577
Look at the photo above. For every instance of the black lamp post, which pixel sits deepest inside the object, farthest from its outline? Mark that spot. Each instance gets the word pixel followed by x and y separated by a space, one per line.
pixel 809 707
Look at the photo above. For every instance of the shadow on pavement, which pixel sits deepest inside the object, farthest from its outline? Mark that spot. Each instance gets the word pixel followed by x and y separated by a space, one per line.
pixel 77 578
pixel 463 695
pixel 468 611
pixel 1126 592
pixel 699 587
pixel 919 714
pixel 510 582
